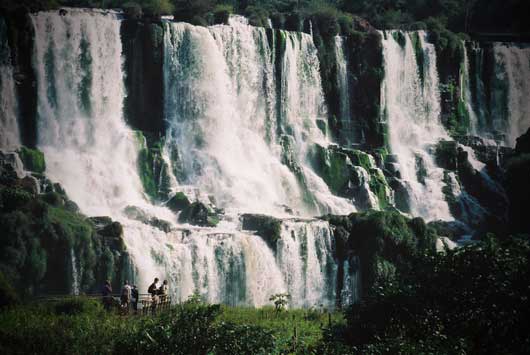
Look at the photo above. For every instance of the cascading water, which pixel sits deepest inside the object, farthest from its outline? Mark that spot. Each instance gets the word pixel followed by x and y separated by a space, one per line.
pixel 87 145
pixel 90 150
pixel 412 106
pixel 500 108
pixel 221 100
pixel 513 69
pixel 304 254
pixel 344 90
pixel 9 131
pixel 465 93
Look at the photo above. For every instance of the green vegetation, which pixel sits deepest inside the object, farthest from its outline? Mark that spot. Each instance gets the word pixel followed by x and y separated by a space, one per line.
pixel 82 326
pixel 468 300
pixel 329 16
pixel 39 233
pixel 33 159
pixel 152 167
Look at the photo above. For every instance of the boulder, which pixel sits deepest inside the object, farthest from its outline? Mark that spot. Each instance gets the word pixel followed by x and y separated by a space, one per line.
pixel 140 215
pixel 197 213
pixel 267 227
pixel 446 155
pixel 178 202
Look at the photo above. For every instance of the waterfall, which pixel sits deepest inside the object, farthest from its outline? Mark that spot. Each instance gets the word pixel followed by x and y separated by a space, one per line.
pixel 221 99
pixel 220 105
pixel 465 93
pixel 9 132
pixel 513 70
pixel 81 130
pixel 500 108
pixel 412 108
pixel 351 290
pixel 75 273
pixel 343 90
pixel 304 254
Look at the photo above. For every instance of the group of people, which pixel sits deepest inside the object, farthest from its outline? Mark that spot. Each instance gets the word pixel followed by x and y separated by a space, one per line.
pixel 129 295
pixel 158 293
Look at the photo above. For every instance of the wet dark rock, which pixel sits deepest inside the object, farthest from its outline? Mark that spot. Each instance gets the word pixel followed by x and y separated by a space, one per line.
pixel 267 227
pixel 453 230
pixel 446 155
pixel 517 184
pixel 178 202
pixel 199 214
pixel 144 77
pixel 523 143
pixel 401 194
pixel 485 151
pixel 140 215
pixel 28 184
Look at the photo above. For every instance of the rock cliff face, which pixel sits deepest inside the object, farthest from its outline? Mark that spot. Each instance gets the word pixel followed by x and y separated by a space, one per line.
pixel 48 246
pixel 143 52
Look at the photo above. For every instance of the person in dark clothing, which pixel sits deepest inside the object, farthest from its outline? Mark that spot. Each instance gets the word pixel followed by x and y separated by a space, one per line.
pixel 134 298
pixel 153 289
pixel 106 293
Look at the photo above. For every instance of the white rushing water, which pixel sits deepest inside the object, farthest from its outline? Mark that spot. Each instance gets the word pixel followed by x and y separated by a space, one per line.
pixel 9 131
pixel 219 114
pixel 513 69
pixel 221 98
pixel 344 90
pixel 413 113
pixel 465 93
pixel 500 109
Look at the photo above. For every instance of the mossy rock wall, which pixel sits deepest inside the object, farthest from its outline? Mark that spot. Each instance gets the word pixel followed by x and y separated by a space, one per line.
pixel 144 75
pixel 43 239
pixel 383 240
pixel 21 38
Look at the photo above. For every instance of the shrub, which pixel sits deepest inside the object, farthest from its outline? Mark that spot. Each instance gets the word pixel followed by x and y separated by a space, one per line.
pixel 77 305
pixel 231 338
pixel 155 8
pixel 221 13
pixel 8 296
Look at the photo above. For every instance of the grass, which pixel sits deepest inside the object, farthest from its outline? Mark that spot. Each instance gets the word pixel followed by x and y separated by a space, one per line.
pixel 307 323
pixel 81 326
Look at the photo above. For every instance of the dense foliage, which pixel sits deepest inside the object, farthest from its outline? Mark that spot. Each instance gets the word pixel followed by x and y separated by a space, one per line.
pixel 468 300
pixel 457 15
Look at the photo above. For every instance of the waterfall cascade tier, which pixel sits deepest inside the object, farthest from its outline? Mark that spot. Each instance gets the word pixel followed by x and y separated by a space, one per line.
pixel 243 120
pixel 9 130
pixel 411 105
pixel 499 88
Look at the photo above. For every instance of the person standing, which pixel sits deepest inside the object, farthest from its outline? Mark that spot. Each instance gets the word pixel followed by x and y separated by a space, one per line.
pixel 134 298
pixel 153 289
pixel 163 291
pixel 106 293
pixel 126 295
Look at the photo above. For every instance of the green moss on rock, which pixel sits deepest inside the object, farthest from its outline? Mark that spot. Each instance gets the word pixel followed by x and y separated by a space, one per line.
pixel 178 202
pixel 33 159
pixel 383 240
pixel 152 168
